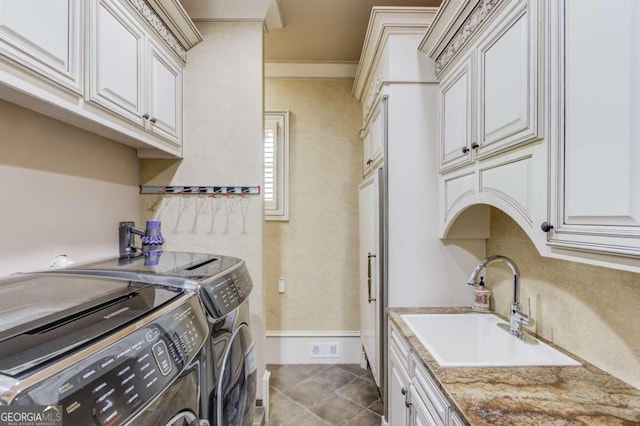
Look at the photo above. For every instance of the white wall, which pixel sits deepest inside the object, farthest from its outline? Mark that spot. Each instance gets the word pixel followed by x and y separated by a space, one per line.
pixel 316 250
pixel 223 146
pixel 62 191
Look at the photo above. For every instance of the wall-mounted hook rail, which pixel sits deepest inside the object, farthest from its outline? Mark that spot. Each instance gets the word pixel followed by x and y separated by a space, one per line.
pixel 194 189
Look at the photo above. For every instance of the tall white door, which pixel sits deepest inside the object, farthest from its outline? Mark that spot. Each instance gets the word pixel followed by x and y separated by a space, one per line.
pixel 370 272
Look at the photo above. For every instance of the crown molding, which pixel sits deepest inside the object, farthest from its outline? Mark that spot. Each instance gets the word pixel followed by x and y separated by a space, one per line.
pixel 383 22
pixel 175 17
pixel 455 24
pixel 450 17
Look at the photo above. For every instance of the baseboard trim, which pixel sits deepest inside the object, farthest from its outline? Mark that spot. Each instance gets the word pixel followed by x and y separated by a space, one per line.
pixel 294 347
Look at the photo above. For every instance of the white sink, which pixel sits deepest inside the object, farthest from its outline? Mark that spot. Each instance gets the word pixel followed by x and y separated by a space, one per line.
pixel 476 340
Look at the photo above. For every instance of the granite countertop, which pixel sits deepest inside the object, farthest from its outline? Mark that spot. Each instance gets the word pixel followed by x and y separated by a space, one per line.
pixel 582 395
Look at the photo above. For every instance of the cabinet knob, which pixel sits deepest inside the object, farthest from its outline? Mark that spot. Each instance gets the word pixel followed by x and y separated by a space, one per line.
pixel 403 391
pixel 153 119
pixel 546 226
pixel 474 145
pixel 407 404
pixel 146 116
pixel 465 149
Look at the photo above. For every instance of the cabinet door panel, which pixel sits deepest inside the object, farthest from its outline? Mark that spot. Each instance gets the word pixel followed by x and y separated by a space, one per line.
pixel 366 151
pixel 602 127
pixel 377 133
pixel 117 61
pixel 165 103
pixel 508 82
pixel 596 139
pixel 456 121
pixel 398 381
pixel 369 273
pixel 48 42
pixel 421 416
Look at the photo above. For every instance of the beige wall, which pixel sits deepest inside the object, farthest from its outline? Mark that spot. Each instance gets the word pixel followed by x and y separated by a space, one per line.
pixel 223 100
pixel 62 190
pixel 316 251
pixel 588 310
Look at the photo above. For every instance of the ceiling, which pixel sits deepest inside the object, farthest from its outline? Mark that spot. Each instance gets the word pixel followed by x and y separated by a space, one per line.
pixel 325 31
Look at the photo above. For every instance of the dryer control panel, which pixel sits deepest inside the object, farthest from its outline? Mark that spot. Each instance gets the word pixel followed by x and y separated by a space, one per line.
pixel 226 293
pixel 112 385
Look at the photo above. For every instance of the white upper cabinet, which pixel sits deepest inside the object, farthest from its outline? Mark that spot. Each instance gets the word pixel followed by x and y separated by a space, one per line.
pixel 165 94
pixel 111 67
pixel 490 92
pixel 130 73
pixel 456 121
pixel 508 62
pixel 45 37
pixel 552 136
pixel 117 56
pixel 595 132
pixel 373 136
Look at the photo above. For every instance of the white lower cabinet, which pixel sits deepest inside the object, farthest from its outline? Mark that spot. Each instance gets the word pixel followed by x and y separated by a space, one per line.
pixel 420 415
pixel 414 398
pixel 398 391
pixel 426 391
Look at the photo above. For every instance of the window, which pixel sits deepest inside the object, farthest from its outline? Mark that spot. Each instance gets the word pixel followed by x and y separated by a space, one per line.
pixel 276 165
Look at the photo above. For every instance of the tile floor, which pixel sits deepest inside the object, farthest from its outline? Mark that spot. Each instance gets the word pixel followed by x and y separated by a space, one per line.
pixel 321 394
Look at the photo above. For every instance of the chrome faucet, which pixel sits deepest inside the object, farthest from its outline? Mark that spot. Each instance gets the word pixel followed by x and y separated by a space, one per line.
pixel 517 318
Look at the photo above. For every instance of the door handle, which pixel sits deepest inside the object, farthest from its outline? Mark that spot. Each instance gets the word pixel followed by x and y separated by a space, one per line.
pixel 369 256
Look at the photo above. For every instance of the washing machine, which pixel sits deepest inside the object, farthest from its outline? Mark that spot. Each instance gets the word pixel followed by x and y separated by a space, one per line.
pixel 222 284
pixel 99 351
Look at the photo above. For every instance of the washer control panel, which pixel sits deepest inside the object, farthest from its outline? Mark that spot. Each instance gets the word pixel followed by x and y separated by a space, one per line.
pixel 112 385
pixel 226 293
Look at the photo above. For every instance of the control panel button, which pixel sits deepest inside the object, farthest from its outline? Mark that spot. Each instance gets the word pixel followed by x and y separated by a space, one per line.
pixel 152 334
pixel 162 357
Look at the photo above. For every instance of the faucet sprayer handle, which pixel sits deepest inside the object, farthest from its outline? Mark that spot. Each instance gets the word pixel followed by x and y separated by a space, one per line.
pixel 530 320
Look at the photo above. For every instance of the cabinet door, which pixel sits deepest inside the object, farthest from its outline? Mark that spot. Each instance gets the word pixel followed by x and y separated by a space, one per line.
pixel 420 416
pixel 508 62
pixel 373 138
pixel 378 132
pixel 44 36
pixel 369 272
pixel 165 94
pixel 595 136
pixel 366 150
pixel 456 116
pixel 398 391
pixel 116 49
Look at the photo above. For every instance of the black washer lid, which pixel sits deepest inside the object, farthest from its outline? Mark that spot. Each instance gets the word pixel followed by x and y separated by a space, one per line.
pixel 183 265
pixel 45 316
